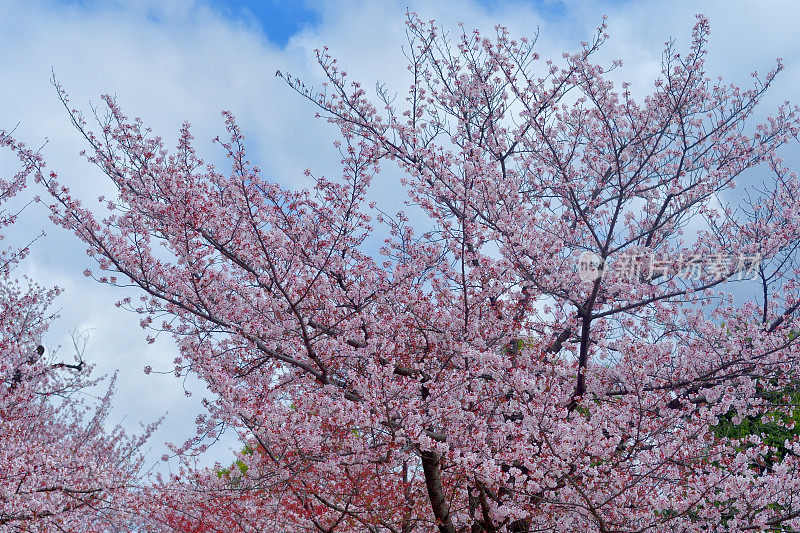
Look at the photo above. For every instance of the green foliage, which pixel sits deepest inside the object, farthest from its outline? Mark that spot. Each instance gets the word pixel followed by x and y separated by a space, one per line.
pixel 778 424
pixel 238 470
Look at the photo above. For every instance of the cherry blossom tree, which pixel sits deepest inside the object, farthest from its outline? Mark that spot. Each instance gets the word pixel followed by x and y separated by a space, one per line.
pixel 60 468
pixel 468 375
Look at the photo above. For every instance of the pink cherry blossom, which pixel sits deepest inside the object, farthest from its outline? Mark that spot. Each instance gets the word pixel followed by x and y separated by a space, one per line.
pixel 61 469
pixel 465 377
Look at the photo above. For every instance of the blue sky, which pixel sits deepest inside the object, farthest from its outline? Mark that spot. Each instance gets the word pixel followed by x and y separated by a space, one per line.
pixel 280 20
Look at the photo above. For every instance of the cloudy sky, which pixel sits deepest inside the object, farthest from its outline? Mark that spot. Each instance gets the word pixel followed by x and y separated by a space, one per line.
pixel 170 61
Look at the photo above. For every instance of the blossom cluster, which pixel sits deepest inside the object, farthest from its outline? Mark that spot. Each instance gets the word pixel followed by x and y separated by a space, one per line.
pixel 464 376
